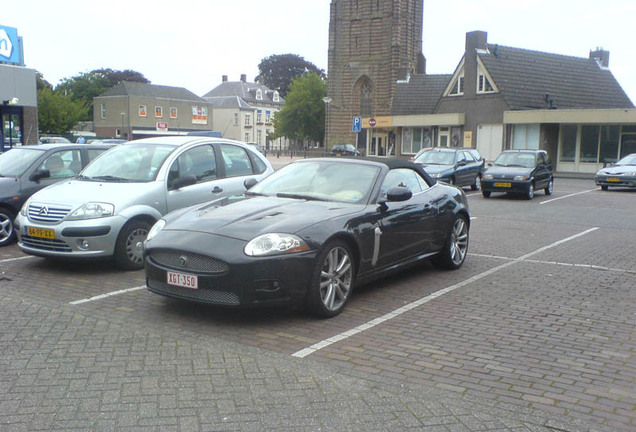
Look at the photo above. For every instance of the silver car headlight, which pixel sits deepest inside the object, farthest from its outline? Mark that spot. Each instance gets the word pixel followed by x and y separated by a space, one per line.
pixel 275 244
pixel 155 229
pixel 93 210
pixel 487 177
pixel 521 178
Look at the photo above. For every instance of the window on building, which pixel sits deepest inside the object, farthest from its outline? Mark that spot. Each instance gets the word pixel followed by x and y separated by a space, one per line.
pixel 173 113
pixel 259 137
pixel 247 137
pixel 259 116
pixel 628 141
pixel 484 85
pixel 568 143
pixel 102 108
pixel 366 99
pixel 158 111
pixel 610 136
pixel 415 139
pixel 248 119
pixel 457 89
pixel 268 116
pixel 276 96
pixel 236 119
pixel 143 111
pixel 525 137
pixel 589 143
pixel 259 94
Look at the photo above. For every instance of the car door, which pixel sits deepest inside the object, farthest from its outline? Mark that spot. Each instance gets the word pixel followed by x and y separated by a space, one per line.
pixel 463 168
pixel 406 227
pixel 542 174
pixel 236 166
pixel 200 162
pixel 59 164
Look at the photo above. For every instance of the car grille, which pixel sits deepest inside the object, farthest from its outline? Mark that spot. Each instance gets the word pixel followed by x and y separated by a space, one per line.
pixel 46 244
pixel 201 294
pixel 186 261
pixel 47 213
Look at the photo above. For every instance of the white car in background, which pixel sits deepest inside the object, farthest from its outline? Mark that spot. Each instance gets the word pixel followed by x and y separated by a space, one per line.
pixel 108 209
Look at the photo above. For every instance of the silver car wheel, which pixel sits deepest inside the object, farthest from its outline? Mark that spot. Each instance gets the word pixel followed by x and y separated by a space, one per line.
pixel 335 279
pixel 6 228
pixel 134 245
pixel 459 241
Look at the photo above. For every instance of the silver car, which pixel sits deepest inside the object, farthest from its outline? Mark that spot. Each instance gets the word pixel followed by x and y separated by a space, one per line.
pixel 108 209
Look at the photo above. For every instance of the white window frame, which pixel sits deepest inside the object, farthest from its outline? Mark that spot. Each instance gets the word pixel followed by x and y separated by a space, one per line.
pixel 456 86
pixel 259 94
pixel 103 110
pixel 483 77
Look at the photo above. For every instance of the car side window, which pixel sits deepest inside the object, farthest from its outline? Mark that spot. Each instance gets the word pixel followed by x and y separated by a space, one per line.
pixel 237 162
pixel 198 161
pixel 469 157
pixel 401 177
pixel 461 157
pixel 63 164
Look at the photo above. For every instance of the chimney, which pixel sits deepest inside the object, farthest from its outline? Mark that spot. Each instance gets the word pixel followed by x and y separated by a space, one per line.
pixel 476 40
pixel 224 78
pixel 601 56
pixel 244 77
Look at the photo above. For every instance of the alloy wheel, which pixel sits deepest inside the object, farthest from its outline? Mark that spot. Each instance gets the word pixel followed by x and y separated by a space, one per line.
pixel 459 241
pixel 335 278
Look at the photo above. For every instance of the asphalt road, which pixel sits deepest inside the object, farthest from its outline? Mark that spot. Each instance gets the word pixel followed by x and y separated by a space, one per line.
pixel 534 333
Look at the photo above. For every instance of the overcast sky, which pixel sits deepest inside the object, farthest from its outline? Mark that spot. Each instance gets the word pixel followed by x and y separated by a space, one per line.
pixel 193 43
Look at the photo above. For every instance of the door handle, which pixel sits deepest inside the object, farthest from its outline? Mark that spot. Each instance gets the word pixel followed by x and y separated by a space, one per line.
pixel 217 190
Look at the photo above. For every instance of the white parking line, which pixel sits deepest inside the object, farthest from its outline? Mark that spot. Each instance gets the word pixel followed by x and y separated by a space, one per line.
pixel 589 266
pixel 16 259
pixel 567 196
pixel 397 312
pixel 110 294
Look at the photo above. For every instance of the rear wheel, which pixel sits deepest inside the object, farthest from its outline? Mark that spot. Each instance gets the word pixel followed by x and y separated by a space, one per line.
pixel 129 246
pixel 604 187
pixel 332 280
pixel 548 188
pixel 454 253
pixel 7 233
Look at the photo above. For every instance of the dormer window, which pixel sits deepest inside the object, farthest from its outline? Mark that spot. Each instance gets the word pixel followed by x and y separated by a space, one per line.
pixel 484 82
pixel 457 89
pixel 276 97
pixel 259 94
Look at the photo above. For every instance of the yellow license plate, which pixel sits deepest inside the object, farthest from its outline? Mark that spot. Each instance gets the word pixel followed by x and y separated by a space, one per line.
pixel 503 184
pixel 613 179
pixel 41 232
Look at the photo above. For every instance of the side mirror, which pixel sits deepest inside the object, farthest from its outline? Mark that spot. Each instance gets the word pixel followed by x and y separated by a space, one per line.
pixel 249 183
pixel 40 174
pixel 489 164
pixel 187 180
pixel 462 163
pixel 398 194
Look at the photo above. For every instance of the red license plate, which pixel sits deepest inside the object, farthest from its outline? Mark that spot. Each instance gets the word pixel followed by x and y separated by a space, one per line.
pixel 183 280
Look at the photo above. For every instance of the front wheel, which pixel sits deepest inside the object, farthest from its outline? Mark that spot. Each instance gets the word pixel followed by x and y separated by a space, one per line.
pixel 129 247
pixel 486 194
pixel 456 247
pixel 7 232
pixel 530 192
pixel 476 184
pixel 548 188
pixel 332 281
pixel 604 187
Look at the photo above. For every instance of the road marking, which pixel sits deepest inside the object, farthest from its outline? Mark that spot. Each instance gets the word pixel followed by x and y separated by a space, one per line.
pixel 110 294
pixel 15 259
pixel 564 264
pixel 568 196
pixel 397 312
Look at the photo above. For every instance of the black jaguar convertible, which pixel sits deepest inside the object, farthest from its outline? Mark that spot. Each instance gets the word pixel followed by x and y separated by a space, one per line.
pixel 308 234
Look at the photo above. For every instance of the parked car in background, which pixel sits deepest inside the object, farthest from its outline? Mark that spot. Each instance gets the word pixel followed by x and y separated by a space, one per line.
pixel 107 210
pixel 459 167
pixel 620 174
pixel 519 172
pixel 107 141
pixel 344 150
pixel 308 234
pixel 53 140
pixel 25 170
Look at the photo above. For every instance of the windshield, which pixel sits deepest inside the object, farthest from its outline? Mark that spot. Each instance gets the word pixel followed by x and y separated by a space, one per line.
pixel 627 160
pixel 128 163
pixel 436 157
pixel 15 162
pixel 320 180
pixel 515 159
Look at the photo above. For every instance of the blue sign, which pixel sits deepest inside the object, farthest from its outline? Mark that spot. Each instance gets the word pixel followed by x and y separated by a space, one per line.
pixel 9 45
pixel 357 124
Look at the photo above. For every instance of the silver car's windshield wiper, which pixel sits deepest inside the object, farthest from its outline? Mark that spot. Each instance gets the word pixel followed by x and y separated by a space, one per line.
pixel 83 177
pixel 300 196
pixel 250 193
pixel 111 178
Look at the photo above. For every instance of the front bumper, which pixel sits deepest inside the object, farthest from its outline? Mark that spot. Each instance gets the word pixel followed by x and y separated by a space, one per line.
pixel 91 238
pixel 225 275
pixel 616 181
pixel 510 186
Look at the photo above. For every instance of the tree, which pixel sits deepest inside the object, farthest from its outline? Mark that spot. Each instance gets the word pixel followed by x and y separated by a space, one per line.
pixel 58 113
pixel 41 83
pixel 303 115
pixel 278 71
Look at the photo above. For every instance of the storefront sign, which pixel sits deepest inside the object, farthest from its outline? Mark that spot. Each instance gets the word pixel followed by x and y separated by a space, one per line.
pixel 10 51
pixel 199 115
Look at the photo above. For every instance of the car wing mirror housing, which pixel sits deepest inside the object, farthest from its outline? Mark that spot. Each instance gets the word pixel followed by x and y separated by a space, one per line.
pixel 187 180
pixel 398 194
pixel 249 183
pixel 39 175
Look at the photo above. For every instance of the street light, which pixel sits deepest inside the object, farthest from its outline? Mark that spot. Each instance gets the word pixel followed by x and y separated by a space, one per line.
pixel 121 132
pixel 327 100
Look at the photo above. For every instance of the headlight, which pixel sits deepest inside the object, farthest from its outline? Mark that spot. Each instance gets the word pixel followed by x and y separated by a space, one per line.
pixel 275 244
pixel 520 178
pixel 155 229
pixel 629 174
pixel 93 210
pixel 487 177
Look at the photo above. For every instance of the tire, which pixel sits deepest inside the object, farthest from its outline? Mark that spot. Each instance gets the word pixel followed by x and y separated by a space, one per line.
pixel 530 192
pixel 604 187
pixel 476 184
pixel 456 247
pixel 486 194
pixel 332 281
pixel 548 188
pixel 451 181
pixel 129 246
pixel 7 231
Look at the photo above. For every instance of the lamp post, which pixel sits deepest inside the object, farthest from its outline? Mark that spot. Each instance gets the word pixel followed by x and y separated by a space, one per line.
pixel 326 100
pixel 121 132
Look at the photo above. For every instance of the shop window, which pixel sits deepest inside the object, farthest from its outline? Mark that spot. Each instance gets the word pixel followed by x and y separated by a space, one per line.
pixel 589 143
pixel 525 137
pixel 610 136
pixel 568 143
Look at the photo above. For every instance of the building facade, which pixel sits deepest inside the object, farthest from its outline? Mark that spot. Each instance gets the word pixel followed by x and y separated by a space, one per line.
pixel 372 46
pixel 132 110
pixel 245 111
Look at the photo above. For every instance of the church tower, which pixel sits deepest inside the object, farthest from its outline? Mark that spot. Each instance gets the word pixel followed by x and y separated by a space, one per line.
pixel 372 45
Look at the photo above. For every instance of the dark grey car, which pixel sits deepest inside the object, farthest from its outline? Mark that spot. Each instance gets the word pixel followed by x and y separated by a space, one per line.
pixel 27 169
pixel 519 172
pixel 459 167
